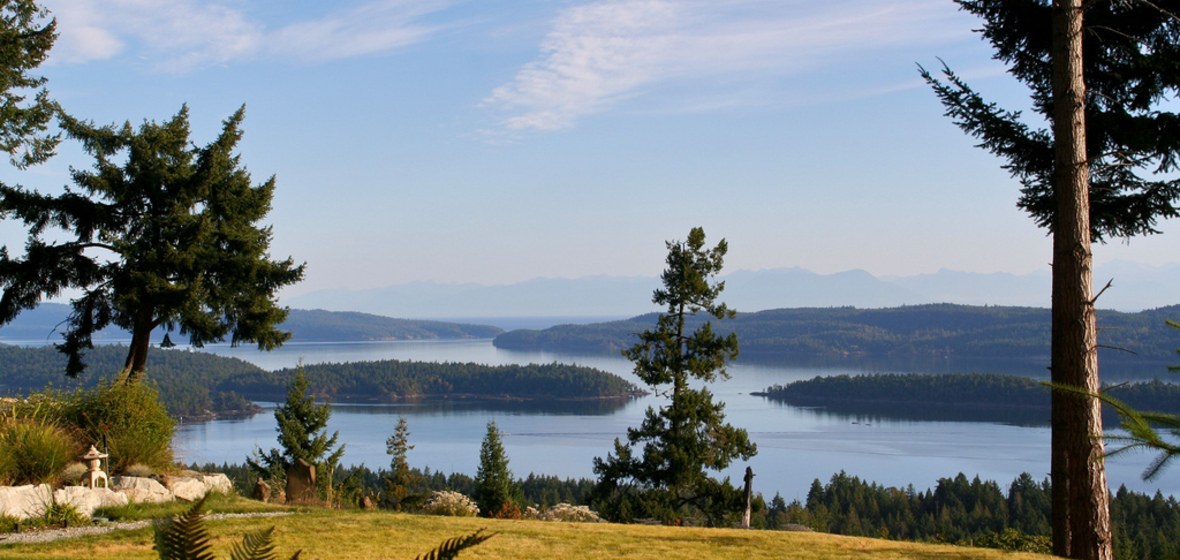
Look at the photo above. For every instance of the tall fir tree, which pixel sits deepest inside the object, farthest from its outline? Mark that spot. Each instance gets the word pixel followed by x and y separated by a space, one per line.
pixel 495 489
pixel 683 440
pixel 169 238
pixel 302 427
pixel 1102 75
pixel 401 477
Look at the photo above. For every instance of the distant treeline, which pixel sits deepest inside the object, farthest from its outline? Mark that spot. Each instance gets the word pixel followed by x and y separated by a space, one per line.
pixel 196 385
pixel 975 512
pixel 188 381
pixel 910 331
pixel 392 380
pixel 341 326
pixel 536 489
pixel 983 397
pixel 45 323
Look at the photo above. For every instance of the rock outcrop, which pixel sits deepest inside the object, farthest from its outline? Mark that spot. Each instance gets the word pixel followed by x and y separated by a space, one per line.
pixel 86 500
pixel 216 482
pixel 141 490
pixel 23 502
pixel 189 489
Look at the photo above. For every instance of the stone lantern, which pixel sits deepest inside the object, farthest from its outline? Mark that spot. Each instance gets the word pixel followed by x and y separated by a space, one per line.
pixel 93 460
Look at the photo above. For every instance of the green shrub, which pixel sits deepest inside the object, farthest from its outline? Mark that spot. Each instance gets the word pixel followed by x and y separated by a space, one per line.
pixel 9 524
pixel 74 475
pixel 56 515
pixel 1012 539
pixel 140 470
pixel 63 515
pixel 137 427
pixel 34 451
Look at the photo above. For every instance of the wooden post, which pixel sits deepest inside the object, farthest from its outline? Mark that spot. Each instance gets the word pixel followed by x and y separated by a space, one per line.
pixel 749 497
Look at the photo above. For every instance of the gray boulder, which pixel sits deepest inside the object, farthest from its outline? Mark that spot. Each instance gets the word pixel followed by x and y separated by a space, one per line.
pixel 23 502
pixel 141 490
pixel 217 483
pixel 86 500
pixel 184 488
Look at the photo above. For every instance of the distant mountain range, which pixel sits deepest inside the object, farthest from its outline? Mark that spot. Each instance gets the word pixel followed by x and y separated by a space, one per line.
pixel 349 315
pixel 1135 287
pixel 306 326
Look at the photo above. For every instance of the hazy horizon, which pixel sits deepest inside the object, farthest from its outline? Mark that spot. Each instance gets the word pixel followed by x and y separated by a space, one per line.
pixel 453 141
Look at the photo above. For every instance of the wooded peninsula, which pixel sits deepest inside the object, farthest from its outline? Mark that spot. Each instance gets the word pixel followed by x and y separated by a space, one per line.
pixel 941 330
pixel 315 325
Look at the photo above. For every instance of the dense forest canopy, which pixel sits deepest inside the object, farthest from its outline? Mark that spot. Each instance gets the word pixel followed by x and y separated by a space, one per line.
pixel 975 512
pixel 910 331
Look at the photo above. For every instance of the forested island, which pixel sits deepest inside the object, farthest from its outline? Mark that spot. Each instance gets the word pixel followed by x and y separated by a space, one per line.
pixel 317 325
pixel 980 397
pixel 198 386
pixel 940 330
pixel 394 380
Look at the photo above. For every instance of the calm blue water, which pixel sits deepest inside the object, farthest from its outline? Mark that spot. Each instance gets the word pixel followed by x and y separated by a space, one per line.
pixel 795 445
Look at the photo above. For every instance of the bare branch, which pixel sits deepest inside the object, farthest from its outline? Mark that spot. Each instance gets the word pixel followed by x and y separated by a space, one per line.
pixel 1109 283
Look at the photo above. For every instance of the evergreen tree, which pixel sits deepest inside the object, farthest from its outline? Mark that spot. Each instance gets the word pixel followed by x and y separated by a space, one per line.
pixel 25 40
pixel 684 439
pixel 302 427
pixel 169 238
pixel 1100 73
pixel 401 478
pixel 495 489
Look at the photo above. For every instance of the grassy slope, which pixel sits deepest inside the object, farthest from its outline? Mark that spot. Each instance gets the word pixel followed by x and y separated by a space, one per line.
pixel 344 535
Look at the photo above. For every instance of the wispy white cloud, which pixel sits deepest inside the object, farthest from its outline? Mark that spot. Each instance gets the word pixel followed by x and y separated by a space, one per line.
pixel 600 53
pixel 183 35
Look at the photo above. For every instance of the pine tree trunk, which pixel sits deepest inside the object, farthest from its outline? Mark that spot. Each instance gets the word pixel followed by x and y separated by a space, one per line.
pixel 1080 502
pixel 136 364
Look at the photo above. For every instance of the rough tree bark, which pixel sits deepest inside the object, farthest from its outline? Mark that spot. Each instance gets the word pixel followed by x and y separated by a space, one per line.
pixel 1081 509
pixel 141 338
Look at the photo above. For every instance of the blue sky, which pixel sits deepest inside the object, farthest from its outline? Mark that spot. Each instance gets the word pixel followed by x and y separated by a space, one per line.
pixel 493 142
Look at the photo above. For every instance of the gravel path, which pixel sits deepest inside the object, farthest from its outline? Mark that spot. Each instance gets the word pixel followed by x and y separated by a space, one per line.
pixel 74 532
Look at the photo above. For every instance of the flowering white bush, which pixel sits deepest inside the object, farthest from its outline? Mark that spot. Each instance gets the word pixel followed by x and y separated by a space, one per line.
pixel 453 504
pixel 569 513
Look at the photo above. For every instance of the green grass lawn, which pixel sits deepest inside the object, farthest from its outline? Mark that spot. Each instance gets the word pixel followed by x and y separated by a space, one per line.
pixel 369 535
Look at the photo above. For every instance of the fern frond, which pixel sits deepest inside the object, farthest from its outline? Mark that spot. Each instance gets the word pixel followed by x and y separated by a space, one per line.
pixel 450 548
pixel 255 546
pixel 184 537
pixel 1143 430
